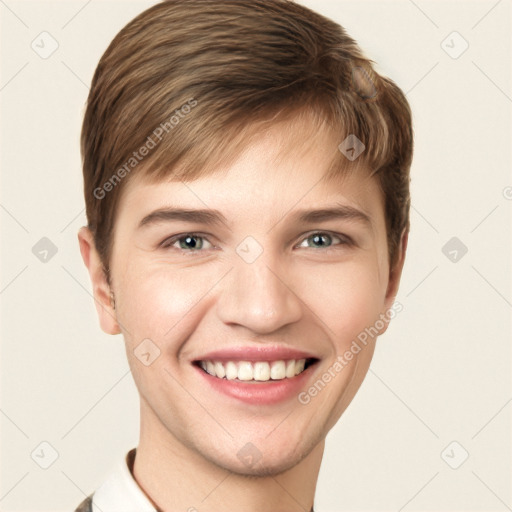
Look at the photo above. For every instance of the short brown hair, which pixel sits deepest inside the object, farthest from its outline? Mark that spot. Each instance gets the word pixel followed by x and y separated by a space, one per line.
pixel 185 79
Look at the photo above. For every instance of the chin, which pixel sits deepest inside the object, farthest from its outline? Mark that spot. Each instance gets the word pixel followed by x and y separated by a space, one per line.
pixel 275 458
pixel 262 468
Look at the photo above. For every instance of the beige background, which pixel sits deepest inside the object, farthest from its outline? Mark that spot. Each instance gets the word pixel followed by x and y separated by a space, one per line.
pixel 440 374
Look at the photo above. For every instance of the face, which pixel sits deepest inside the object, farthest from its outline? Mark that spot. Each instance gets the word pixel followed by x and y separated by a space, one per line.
pixel 240 296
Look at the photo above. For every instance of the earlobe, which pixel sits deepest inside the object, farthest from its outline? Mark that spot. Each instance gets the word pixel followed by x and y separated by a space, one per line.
pixel 102 292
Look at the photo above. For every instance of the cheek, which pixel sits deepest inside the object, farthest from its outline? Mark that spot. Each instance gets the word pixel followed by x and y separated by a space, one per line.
pixel 165 305
pixel 347 300
pixel 158 304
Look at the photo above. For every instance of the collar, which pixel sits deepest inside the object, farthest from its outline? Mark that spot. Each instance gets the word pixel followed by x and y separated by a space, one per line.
pixel 120 492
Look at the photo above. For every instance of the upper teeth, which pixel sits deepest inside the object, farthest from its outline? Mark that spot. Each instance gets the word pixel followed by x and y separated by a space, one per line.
pixel 261 370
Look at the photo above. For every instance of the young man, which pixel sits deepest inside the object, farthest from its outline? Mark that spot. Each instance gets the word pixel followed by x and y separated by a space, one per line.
pixel 247 190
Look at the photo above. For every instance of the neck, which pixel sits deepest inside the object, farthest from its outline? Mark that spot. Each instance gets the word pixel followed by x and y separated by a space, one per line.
pixel 176 477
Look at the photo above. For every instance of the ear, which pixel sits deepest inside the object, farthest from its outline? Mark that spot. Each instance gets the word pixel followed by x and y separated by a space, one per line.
pixel 102 292
pixel 395 273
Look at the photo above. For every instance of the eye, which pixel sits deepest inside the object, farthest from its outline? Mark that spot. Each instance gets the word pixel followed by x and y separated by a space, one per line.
pixel 196 242
pixel 187 242
pixel 321 240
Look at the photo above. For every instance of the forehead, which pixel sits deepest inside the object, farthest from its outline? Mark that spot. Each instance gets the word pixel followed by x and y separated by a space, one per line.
pixel 283 167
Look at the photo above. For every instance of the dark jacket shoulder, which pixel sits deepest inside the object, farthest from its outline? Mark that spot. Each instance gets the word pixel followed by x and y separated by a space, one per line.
pixel 86 505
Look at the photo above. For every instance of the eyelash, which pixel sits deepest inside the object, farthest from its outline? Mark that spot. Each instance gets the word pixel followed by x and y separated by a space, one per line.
pixel 169 242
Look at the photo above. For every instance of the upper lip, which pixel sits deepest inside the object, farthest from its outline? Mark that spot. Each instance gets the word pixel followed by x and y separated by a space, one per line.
pixel 259 353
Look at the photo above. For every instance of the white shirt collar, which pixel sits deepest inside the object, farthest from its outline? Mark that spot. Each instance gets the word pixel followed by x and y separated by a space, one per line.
pixel 120 492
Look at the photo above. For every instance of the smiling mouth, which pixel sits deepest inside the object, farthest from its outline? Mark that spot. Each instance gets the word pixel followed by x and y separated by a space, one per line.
pixel 256 371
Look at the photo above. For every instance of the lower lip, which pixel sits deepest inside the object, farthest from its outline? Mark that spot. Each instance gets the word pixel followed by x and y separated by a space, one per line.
pixel 259 392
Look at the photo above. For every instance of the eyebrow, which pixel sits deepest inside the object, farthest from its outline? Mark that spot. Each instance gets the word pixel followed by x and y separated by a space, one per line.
pixel 214 217
pixel 208 217
pixel 337 212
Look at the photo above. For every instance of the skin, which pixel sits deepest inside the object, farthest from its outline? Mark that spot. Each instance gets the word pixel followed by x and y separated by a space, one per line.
pixel 300 292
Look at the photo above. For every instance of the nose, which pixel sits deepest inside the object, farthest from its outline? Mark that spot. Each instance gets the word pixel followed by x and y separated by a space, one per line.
pixel 259 296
